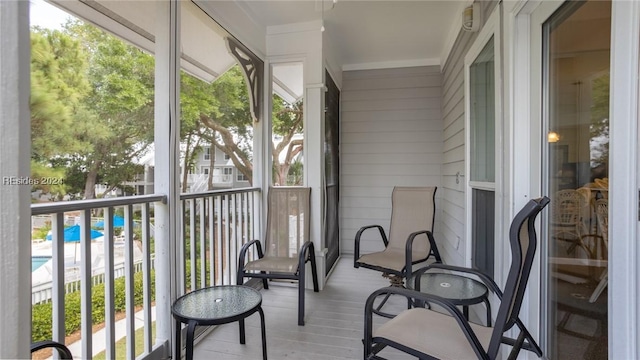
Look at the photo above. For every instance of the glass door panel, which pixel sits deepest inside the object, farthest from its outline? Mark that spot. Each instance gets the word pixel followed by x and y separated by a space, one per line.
pixel 576 44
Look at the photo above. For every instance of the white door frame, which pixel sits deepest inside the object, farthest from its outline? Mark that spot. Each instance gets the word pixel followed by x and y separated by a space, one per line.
pixel 525 82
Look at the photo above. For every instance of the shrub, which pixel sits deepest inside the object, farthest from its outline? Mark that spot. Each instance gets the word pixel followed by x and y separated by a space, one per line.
pixel 42 315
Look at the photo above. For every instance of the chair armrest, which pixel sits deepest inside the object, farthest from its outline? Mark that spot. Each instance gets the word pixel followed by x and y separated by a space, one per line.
pixel 409 250
pixel 245 248
pixel 483 277
pixel 356 248
pixel 427 298
pixel 307 247
pixel 63 351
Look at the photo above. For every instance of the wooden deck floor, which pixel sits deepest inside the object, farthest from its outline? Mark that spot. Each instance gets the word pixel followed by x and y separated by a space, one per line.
pixel 333 323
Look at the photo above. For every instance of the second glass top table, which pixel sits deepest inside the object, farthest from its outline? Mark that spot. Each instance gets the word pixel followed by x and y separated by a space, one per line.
pixel 460 290
pixel 217 305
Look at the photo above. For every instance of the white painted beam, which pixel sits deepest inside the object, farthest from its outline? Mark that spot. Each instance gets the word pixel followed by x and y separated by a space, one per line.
pixel 15 210
pixel 167 153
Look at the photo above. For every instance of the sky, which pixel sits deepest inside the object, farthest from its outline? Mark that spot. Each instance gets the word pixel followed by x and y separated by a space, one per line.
pixel 46 15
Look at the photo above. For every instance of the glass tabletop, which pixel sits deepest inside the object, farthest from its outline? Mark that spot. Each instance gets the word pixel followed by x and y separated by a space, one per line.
pixel 217 302
pixel 449 286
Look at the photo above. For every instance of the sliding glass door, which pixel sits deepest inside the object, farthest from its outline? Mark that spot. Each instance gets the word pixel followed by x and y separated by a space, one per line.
pixel 575 76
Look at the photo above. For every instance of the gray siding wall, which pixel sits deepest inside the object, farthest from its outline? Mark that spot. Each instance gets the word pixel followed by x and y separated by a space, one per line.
pixel 391 135
pixel 452 203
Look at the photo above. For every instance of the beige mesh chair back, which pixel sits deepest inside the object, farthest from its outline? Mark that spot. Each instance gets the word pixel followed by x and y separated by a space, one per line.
pixel 287 244
pixel 410 238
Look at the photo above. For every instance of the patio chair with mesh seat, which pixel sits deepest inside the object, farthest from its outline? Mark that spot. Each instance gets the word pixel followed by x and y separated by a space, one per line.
pixel 429 334
pixel 410 238
pixel 287 244
pixel 567 221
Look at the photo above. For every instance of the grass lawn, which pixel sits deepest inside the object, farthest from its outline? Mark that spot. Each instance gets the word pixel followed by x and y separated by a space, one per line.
pixel 121 345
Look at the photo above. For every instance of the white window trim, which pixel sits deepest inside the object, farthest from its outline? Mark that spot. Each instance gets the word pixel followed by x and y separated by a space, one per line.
pixel 490 29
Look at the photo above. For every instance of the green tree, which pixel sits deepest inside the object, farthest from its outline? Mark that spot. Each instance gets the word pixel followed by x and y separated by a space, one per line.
pixel 218 114
pixel 121 108
pixel 599 127
pixel 57 86
pixel 287 122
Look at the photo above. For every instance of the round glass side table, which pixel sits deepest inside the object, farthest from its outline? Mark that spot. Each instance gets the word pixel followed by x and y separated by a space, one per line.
pixel 460 290
pixel 217 305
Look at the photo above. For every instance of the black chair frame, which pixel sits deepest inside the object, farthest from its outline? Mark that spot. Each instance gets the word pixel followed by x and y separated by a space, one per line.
pixel 306 254
pixel 63 351
pixel 511 299
pixel 407 270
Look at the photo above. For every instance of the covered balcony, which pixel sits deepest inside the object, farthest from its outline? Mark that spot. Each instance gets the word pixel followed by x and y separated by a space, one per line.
pixel 382 94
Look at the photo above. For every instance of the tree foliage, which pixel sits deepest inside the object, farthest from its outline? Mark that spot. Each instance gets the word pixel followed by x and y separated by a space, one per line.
pixel 57 88
pixel 219 113
pixel 287 123
pixel 92 113
pixel 92 106
pixel 599 127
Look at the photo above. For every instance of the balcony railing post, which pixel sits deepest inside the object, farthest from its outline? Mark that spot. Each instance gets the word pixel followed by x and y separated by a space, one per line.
pixel 85 284
pixel 57 238
pixel 146 276
pixel 109 285
pixel 129 281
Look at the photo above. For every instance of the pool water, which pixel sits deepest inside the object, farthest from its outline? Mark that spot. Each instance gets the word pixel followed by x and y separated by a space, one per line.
pixel 37 261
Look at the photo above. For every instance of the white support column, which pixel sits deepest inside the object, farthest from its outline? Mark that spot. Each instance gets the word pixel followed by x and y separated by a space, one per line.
pixel 15 209
pixel 303 42
pixel 167 157
pixel 314 174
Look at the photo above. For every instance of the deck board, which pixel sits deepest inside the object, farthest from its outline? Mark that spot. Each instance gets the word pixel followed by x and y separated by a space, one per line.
pixel 334 322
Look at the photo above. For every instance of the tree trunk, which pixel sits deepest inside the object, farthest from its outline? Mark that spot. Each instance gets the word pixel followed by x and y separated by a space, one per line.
pixel 185 166
pixel 90 184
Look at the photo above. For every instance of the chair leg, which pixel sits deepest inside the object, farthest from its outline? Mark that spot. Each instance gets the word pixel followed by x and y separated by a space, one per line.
pixel 301 297
pixel 314 270
pixel 265 281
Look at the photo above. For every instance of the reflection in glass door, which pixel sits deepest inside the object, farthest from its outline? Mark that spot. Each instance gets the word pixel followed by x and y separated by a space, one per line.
pixel 576 44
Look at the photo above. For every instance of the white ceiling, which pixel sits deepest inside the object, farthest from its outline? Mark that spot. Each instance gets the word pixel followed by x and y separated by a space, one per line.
pixel 369 31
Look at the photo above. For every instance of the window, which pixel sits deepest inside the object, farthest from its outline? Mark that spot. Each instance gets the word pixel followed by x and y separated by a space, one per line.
pixel 287 120
pixel 227 171
pixel 205 170
pixel 483 158
pixel 207 153
pixel 227 157
pixel 242 177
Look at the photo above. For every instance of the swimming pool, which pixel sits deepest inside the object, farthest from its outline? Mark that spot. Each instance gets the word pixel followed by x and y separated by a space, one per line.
pixel 37 261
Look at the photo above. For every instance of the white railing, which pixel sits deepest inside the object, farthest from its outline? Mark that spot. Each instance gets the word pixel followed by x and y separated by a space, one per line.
pixel 42 292
pixel 86 280
pixel 215 226
pixel 199 182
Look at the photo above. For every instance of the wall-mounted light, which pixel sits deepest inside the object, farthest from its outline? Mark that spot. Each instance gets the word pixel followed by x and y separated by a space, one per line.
pixel 471 18
pixel 553 137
